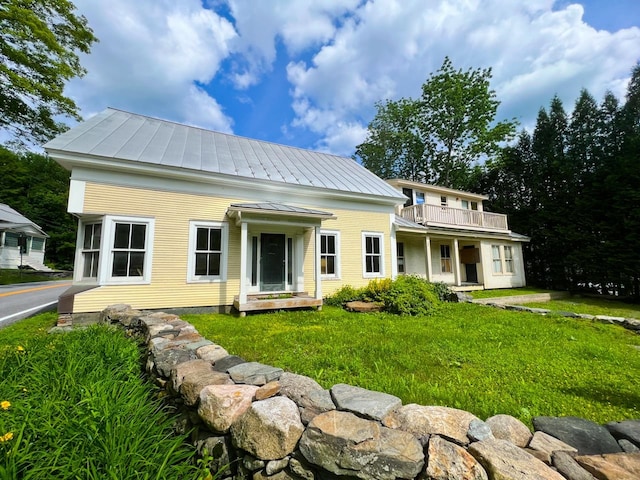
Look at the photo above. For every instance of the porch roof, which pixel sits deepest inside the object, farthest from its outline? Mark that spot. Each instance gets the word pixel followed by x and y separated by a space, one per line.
pixel 405 225
pixel 13 221
pixel 236 210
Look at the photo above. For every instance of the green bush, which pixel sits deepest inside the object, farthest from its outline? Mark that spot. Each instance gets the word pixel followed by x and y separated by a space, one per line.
pixel 410 295
pixel 343 295
pixel 442 290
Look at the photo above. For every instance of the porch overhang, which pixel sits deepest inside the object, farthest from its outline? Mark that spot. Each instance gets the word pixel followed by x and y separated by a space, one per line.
pixel 267 213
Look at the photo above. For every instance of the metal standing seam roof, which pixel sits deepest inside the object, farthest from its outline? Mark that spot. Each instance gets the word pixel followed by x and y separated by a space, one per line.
pixel 11 219
pixel 115 134
pixel 278 208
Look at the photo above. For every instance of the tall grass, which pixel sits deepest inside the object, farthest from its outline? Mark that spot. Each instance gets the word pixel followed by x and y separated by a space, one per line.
pixel 78 408
pixel 467 356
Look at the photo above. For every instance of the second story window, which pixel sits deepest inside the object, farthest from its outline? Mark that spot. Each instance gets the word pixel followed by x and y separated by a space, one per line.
pixel 419 198
pixel 443 201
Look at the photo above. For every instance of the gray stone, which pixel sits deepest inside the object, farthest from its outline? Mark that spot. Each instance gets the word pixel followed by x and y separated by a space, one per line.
pixel 167 359
pixel 227 362
pixel 219 451
pixel 612 466
pixel 627 430
pixel 479 430
pixel 586 436
pixel 610 319
pixel 192 385
pixel 275 466
pixel 447 461
pixel 462 297
pixel 157 329
pixel 502 460
pixel 539 311
pixel 345 444
pixel 423 421
pixel 281 475
pixel 196 345
pixel 547 445
pixel 509 428
pixel 627 446
pixel 254 373
pixel 317 402
pixel 269 429
pixel 222 405
pixel 632 324
pixel 299 466
pixel 297 387
pixel 374 405
pixel 569 468
pixel 252 463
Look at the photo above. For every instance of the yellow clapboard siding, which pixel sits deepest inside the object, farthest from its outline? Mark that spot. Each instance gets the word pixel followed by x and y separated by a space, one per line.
pixel 173 211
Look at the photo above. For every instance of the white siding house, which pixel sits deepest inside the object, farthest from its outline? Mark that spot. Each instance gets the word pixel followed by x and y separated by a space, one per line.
pixel 22 242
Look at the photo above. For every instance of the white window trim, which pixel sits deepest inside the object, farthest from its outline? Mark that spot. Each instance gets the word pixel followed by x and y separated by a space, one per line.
pixel 106 251
pixel 224 248
pixel 336 275
pixel 366 274
pixel 503 261
pixel 84 251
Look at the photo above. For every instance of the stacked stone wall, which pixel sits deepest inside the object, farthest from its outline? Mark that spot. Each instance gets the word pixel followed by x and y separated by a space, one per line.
pixel 255 421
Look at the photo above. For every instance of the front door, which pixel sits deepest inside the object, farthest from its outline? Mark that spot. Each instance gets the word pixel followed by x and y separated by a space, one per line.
pixel 272 262
pixel 472 272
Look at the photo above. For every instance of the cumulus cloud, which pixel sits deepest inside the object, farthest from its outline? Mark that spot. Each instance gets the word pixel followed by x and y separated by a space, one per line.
pixel 151 56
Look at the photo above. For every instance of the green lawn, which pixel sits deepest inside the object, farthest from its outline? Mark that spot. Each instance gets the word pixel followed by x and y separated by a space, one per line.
pixel 468 356
pixel 11 276
pixel 506 292
pixel 591 306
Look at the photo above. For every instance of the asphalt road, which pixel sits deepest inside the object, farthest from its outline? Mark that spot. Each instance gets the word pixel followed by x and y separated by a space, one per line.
pixel 23 300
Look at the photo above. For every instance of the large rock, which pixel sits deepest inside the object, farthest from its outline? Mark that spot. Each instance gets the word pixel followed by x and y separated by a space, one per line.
pixel 547 445
pixel 627 430
pixel 586 436
pixel 447 461
pixel 222 405
pixel 167 359
pixel 269 430
pixel 254 373
pixel 211 353
pixel 318 401
pixel 613 466
pixel 225 363
pixel 180 371
pixel 504 461
pixel 345 444
pixel 374 405
pixel 422 421
pixel 192 385
pixel 307 394
pixel 506 427
pixel 569 468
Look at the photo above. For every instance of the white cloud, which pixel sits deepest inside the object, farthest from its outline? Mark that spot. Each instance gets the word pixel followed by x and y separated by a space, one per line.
pixel 149 57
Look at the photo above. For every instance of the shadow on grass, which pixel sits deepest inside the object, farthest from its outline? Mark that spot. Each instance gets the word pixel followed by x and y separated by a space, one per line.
pixel 605 395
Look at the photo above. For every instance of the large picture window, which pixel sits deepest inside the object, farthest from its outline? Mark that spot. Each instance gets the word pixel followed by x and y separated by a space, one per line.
pixel 329 254
pixel 207 251
pixel 372 247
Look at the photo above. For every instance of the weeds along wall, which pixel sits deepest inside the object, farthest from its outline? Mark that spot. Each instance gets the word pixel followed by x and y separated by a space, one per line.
pixel 254 421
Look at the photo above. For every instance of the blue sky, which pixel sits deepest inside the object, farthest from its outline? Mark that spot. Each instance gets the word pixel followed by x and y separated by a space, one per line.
pixel 308 73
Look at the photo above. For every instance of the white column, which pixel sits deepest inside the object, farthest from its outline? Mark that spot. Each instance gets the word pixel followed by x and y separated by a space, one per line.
pixel 242 297
pixel 456 263
pixel 427 247
pixel 394 253
pixel 316 250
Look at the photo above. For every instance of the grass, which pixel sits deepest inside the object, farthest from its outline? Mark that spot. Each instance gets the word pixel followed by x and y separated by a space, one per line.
pixel 472 357
pixel 75 405
pixel 506 292
pixel 591 306
pixel 11 276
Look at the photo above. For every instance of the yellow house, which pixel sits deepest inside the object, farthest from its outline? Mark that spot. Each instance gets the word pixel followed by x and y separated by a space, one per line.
pixel 175 216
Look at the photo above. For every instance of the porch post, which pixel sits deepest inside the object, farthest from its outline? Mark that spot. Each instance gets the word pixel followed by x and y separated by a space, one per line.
pixel 316 251
pixel 242 297
pixel 427 247
pixel 456 263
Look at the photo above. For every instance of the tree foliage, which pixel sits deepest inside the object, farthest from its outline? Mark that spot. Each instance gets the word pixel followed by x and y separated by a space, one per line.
pixel 438 137
pixel 574 188
pixel 39 45
pixel 38 188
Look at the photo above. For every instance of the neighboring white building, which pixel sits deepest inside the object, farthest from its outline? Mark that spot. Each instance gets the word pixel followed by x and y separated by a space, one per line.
pixel 445 236
pixel 16 229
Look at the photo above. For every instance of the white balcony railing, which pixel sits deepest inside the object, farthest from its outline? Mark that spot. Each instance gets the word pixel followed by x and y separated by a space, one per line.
pixel 459 217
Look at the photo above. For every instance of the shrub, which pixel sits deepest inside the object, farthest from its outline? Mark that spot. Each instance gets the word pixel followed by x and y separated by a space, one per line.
pixel 442 291
pixel 376 289
pixel 343 295
pixel 410 295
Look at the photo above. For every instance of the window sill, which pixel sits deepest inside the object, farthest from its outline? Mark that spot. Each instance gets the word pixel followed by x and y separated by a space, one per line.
pixel 206 280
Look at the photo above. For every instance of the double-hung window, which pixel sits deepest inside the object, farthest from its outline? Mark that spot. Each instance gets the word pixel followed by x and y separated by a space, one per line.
pixel 400 257
pixel 129 250
pixel 497 258
pixel 508 259
pixel 207 252
pixel 330 254
pixel 373 258
pixel 91 250
pixel 445 259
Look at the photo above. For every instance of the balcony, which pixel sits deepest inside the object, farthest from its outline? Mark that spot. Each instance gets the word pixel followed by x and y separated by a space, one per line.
pixel 435 215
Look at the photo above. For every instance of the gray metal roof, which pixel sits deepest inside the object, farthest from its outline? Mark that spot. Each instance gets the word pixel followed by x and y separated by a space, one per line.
pixel 115 134
pixel 278 208
pixel 12 220
pixel 403 222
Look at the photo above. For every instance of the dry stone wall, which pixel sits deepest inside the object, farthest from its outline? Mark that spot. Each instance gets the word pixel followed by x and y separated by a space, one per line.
pixel 255 421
